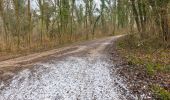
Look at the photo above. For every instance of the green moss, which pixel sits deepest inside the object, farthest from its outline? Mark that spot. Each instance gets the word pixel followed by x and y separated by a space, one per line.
pixel 161 93
pixel 150 68
pixel 167 68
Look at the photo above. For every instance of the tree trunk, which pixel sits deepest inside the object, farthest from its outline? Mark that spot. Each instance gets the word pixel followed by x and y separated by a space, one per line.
pixel 4 22
pixel 135 13
pixel 16 6
pixel 164 22
pixel 29 23
pixel 72 15
pixel 142 16
pixel 41 2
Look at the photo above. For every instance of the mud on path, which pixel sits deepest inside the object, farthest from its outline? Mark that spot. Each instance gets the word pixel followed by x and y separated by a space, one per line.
pixel 79 72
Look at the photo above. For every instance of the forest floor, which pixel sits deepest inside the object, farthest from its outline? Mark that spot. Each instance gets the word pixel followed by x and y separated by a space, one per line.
pixel 146 66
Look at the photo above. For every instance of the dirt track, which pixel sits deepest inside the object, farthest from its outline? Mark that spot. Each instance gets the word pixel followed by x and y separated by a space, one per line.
pixel 78 72
pixel 56 52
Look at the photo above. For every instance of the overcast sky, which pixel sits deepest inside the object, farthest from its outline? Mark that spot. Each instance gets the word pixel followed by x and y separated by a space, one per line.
pixel 34 3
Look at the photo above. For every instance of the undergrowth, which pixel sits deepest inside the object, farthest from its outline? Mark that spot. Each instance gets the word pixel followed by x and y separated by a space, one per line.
pixel 161 93
pixel 151 53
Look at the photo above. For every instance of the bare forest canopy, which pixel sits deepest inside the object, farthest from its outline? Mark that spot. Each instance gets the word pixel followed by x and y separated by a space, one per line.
pixel 26 24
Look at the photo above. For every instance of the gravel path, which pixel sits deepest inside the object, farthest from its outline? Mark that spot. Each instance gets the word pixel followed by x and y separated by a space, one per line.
pixel 87 76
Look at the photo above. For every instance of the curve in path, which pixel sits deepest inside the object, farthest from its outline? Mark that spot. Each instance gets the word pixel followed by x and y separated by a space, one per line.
pixel 84 77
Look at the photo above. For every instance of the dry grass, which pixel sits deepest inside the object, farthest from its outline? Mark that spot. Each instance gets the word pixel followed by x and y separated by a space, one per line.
pixel 47 44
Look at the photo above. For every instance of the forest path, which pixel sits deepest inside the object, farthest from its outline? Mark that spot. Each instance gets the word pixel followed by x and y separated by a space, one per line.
pixel 79 72
pixel 55 52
